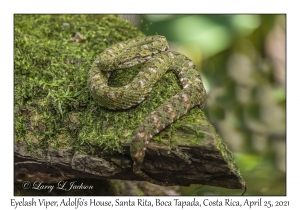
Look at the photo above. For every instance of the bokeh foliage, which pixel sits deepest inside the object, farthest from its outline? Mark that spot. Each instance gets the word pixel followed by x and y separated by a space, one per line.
pixel 242 61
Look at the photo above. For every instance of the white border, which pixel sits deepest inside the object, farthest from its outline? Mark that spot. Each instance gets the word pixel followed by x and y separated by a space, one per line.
pixel 8 8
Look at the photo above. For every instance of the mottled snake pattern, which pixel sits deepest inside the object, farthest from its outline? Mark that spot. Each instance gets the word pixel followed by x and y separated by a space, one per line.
pixel 152 52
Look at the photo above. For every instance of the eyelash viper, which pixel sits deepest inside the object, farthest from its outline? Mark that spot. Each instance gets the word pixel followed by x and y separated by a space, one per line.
pixel 152 52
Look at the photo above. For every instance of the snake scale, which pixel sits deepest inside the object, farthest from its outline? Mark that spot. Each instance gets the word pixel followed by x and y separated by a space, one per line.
pixel 152 52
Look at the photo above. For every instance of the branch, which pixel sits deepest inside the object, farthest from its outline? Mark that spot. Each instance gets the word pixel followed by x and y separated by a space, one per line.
pixel 208 162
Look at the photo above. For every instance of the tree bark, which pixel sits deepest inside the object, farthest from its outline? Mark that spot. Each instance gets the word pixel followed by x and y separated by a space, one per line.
pixel 205 163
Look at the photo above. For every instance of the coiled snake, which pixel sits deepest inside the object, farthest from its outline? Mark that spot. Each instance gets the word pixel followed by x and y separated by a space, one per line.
pixel 152 51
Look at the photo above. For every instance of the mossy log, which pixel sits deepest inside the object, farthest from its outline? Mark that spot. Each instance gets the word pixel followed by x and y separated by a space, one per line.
pixel 208 162
pixel 60 131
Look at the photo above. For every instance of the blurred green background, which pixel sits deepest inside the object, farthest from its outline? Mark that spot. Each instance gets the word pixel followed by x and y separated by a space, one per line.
pixel 242 61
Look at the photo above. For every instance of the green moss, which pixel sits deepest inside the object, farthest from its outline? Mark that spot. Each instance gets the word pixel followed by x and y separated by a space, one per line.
pixel 53 106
